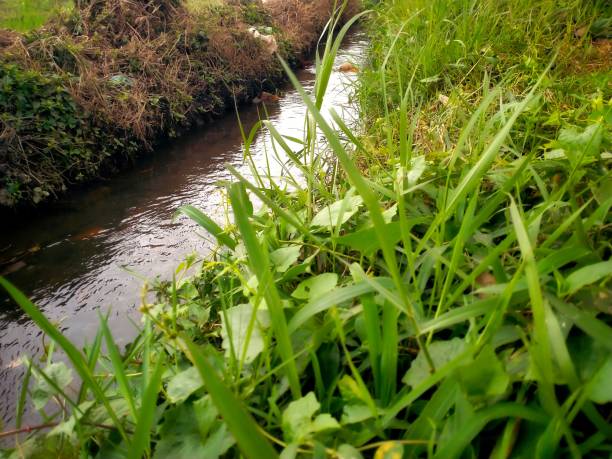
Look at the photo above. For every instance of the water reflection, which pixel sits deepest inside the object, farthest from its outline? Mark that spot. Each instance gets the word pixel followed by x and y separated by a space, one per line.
pixel 77 251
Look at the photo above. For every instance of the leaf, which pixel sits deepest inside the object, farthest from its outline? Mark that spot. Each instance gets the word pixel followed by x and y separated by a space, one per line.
pixel 353 414
pixel 298 423
pixel 316 286
pixel 441 352
pixel 601 386
pixel 587 275
pixel 418 166
pixel 335 297
pixel 242 425
pixel 43 391
pixel 184 438
pixel 285 257
pixel 141 440
pixel 183 384
pixel 577 144
pixel 346 451
pixel 484 377
pixel 365 240
pixel 208 224
pixel 65 429
pixel 390 450
pixel 337 213
pixel 241 343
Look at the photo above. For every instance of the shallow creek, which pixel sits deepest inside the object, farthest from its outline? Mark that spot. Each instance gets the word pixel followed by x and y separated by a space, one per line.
pixel 90 251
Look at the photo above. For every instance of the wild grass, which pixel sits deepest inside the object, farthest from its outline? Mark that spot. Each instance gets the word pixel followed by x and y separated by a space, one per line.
pixel 434 285
pixel 26 15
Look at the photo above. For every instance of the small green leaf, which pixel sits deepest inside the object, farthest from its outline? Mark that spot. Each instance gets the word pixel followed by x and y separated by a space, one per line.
pixel 353 414
pixel 183 384
pixel 346 451
pixel 316 286
pixel 238 325
pixel 601 384
pixel 337 213
pixel 43 391
pixel 298 422
pixel 441 352
pixel 390 450
pixel 485 376
pixel 365 240
pixel 285 257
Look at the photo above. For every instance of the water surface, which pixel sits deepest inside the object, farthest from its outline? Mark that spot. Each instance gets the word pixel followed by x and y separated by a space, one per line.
pixel 79 256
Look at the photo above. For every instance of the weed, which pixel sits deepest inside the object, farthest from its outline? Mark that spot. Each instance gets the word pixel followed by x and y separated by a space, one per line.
pixel 383 298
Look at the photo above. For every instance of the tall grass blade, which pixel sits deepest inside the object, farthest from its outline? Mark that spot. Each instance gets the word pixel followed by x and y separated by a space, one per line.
pixel 242 425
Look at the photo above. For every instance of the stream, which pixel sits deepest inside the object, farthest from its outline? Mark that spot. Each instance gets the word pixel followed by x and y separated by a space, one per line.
pixel 90 251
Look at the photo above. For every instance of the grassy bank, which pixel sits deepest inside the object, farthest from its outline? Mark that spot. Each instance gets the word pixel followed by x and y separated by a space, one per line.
pixel 105 81
pixel 435 283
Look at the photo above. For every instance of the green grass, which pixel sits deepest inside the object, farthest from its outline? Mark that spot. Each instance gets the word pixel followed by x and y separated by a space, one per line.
pixel 436 284
pixel 26 15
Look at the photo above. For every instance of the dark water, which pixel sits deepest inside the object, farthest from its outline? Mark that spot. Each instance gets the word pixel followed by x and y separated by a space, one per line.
pixel 80 256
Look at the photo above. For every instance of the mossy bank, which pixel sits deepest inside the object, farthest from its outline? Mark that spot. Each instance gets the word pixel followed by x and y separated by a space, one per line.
pixel 95 87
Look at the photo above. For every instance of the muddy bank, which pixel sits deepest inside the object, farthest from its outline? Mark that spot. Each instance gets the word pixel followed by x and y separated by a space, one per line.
pixel 83 96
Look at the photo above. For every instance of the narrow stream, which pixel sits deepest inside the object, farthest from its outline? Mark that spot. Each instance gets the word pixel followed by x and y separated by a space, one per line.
pixel 79 253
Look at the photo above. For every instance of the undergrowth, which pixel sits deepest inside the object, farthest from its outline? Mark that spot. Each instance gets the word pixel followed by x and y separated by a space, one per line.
pixel 134 72
pixel 435 283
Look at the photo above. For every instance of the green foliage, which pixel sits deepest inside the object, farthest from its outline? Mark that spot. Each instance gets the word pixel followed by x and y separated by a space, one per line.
pixel 25 15
pixel 48 141
pixel 387 298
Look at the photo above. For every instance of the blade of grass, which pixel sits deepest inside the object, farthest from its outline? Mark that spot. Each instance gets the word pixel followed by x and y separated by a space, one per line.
pixel 242 425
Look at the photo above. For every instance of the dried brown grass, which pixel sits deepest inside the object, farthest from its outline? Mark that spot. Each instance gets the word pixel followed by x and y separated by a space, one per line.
pixel 141 69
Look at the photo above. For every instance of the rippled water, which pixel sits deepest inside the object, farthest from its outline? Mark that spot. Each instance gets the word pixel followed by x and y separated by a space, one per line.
pixel 80 255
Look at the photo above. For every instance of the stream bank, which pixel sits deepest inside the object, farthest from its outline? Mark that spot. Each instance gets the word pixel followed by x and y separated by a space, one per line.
pixel 90 251
pixel 83 96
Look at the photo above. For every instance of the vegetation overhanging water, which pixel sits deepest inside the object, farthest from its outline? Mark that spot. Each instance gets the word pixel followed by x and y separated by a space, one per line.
pixel 432 286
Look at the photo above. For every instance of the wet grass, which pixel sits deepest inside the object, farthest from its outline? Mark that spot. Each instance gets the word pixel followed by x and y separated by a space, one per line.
pixel 434 283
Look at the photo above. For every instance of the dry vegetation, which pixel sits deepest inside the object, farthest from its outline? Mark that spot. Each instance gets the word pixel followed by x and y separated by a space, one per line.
pixel 135 71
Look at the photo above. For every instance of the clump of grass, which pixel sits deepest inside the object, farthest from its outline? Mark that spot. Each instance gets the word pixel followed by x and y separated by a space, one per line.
pixel 26 15
pixel 385 299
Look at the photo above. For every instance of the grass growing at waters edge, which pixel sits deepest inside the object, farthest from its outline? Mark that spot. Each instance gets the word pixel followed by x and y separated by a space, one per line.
pixel 439 283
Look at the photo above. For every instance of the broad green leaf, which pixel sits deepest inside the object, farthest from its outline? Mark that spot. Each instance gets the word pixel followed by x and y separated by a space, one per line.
pixel 365 240
pixel 298 423
pixel 240 422
pixel 285 257
pixel 242 333
pixel 485 377
pixel 337 213
pixel 185 435
pixel 346 451
pixel 43 391
pixel 588 275
pixel 183 384
pixel 353 414
pixel 316 286
pixel 577 145
pixel 441 353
